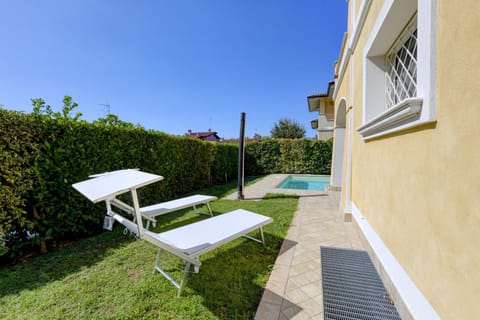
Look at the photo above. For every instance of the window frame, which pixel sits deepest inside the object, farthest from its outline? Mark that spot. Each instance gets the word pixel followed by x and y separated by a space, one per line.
pixel 411 112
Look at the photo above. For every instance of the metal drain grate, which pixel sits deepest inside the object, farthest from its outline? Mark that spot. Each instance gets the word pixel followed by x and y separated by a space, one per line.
pixel 352 288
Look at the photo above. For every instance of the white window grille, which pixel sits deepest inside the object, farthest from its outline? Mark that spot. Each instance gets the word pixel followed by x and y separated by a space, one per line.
pixel 401 67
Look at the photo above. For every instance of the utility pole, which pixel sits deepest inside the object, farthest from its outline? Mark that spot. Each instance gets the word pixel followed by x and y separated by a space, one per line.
pixel 241 156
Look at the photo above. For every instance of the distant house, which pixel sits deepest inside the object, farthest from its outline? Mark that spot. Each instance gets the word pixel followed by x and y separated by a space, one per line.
pixel 324 105
pixel 207 136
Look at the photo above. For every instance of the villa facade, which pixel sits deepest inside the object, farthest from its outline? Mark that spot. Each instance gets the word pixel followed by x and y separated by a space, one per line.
pixel 405 148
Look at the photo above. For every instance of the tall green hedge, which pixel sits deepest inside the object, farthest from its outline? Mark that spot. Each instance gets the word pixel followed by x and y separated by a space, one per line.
pixel 288 156
pixel 41 158
pixel 225 165
pixel 18 149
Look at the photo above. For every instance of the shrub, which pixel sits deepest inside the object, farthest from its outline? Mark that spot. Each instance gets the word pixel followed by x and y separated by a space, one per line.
pixel 225 164
pixel 42 156
pixel 18 148
pixel 288 156
pixel 262 157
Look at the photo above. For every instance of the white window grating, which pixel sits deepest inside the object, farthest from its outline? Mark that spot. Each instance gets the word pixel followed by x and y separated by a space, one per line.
pixel 401 66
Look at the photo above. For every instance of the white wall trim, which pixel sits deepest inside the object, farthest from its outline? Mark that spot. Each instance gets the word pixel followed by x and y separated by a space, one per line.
pixel 326 129
pixel 412 297
pixel 359 24
pixel 427 51
pixel 343 66
pixel 348 173
pixel 339 147
pixel 348 207
pixel 392 119
pixel 352 43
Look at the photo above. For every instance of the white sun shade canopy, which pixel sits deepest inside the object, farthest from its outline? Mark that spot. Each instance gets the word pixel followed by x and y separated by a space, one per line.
pixel 110 184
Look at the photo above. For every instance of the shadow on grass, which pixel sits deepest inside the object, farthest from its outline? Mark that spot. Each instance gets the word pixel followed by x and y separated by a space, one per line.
pixel 180 218
pixel 60 262
pixel 231 282
pixel 229 285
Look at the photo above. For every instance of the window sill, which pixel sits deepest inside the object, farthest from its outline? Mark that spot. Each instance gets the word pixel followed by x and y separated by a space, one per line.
pixel 400 117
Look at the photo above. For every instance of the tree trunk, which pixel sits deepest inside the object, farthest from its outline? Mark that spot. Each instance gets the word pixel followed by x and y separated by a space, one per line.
pixel 43 241
pixel 43 245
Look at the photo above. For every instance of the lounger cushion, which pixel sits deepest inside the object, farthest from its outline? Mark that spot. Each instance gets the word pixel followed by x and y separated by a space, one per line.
pixel 207 234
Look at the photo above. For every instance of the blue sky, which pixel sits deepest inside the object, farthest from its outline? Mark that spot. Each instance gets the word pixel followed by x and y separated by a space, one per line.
pixel 172 65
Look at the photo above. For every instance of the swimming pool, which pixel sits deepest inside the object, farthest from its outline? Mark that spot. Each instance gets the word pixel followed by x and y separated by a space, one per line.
pixel 305 182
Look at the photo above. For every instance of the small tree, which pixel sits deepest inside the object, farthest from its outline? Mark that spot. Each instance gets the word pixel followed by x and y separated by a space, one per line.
pixel 51 149
pixel 42 109
pixel 112 120
pixel 287 129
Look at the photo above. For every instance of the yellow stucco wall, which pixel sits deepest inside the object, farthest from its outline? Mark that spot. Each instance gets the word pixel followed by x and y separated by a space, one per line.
pixel 420 190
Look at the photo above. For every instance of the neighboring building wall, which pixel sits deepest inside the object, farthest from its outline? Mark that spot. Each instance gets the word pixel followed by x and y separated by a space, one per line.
pixel 324 135
pixel 330 112
pixel 418 189
pixel 210 138
pixel 325 121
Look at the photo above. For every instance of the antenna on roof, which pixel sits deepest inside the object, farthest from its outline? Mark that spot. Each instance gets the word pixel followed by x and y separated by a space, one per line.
pixel 106 105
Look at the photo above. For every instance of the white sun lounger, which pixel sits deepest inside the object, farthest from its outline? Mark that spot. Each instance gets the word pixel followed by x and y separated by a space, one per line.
pixel 191 241
pixel 150 212
pixel 187 242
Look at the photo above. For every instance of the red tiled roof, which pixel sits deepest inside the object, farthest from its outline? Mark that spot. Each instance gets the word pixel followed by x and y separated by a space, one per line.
pixel 201 134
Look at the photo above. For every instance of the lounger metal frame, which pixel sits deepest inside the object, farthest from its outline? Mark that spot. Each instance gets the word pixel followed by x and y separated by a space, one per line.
pixel 191 256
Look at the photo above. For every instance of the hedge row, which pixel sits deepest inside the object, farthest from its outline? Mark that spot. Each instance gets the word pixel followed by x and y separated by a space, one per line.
pixel 288 156
pixel 18 149
pixel 41 158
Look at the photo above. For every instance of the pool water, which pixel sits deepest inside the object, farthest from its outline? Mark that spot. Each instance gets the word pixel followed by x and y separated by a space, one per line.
pixel 305 182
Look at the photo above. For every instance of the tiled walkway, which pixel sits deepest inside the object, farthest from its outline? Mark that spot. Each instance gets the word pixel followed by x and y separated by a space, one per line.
pixel 294 290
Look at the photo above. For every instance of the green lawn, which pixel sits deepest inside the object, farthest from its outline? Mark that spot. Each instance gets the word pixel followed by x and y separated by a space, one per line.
pixel 111 276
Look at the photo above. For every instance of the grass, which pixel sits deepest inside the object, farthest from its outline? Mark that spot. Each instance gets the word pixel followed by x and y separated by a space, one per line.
pixel 111 276
pixel 223 190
